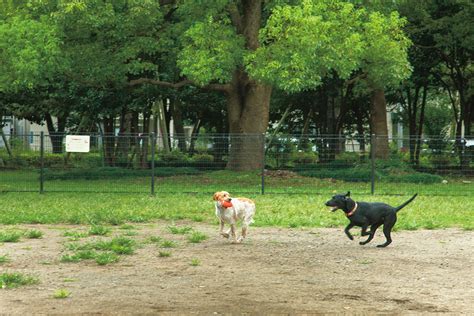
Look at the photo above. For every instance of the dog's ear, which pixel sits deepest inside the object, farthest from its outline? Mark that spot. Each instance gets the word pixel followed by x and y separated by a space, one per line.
pixel 348 194
pixel 215 197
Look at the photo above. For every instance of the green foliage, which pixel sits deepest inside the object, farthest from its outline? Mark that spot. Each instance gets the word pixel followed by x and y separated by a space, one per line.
pixel 10 236
pixel 4 259
pixel 301 44
pixel 99 230
pixel 212 51
pixel 34 234
pixel 197 237
pixel 116 173
pixel 12 280
pixel 180 230
pixel 30 52
pixel 61 293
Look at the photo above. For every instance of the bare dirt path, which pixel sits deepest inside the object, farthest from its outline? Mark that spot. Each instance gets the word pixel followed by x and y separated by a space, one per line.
pixel 276 271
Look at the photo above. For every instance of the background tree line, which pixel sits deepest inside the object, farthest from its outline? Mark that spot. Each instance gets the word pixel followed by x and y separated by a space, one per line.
pixel 238 67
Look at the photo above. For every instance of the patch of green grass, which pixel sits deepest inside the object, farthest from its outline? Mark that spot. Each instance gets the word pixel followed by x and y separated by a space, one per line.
pixel 130 233
pixel 12 280
pixel 195 262
pixel 303 206
pixel 69 280
pixel 168 244
pixel 34 234
pixel 61 293
pixel 4 259
pixel 75 235
pixel 98 230
pixel 119 245
pixel 127 226
pixel 197 237
pixel 180 230
pixel 154 239
pixel 106 258
pixel 10 236
pixel 164 254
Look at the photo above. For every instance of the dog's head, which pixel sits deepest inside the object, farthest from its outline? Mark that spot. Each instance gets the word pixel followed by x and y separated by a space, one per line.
pixel 340 202
pixel 222 197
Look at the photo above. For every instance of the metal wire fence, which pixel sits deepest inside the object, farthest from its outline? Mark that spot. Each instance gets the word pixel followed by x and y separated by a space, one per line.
pixel 255 164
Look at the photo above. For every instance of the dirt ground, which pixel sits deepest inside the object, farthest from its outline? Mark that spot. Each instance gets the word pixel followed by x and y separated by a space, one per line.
pixel 276 271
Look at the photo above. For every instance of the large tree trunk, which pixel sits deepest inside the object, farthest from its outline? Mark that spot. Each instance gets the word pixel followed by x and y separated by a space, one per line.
pixel 248 106
pixel 178 123
pixel 378 123
pixel 56 134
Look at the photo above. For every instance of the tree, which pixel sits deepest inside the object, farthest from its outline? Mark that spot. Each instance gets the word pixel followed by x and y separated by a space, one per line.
pixel 245 48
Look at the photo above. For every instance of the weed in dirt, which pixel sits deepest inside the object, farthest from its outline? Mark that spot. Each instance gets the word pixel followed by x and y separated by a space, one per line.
pixel 98 230
pixel 154 239
pixel 197 237
pixel 197 218
pixel 4 259
pixel 106 258
pixel 12 280
pixel 127 226
pixel 119 245
pixel 164 254
pixel 61 293
pixel 180 230
pixel 69 280
pixel 75 235
pixel 10 236
pixel 195 262
pixel 34 234
pixel 130 233
pixel 168 244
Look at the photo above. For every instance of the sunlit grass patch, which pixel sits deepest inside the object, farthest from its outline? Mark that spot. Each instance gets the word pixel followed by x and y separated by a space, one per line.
pixel 106 258
pixel 10 236
pixel 195 262
pixel 4 259
pixel 99 230
pixel 179 230
pixel 197 237
pixel 61 293
pixel 168 244
pixel 12 280
pixel 164 254
pixel 33 234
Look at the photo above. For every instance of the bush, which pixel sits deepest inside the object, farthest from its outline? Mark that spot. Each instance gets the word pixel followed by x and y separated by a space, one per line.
pixel 173 156
pixel 352 174
pixel 116 173
pixel 415 177
pixel 304 158
pixel 203 158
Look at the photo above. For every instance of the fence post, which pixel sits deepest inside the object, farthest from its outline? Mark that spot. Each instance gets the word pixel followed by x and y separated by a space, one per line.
pixel 263 163
pixel 372 163
pixel 153 144
pixel 41 163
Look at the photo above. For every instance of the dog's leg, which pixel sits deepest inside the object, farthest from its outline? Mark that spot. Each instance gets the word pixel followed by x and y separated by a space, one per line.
pixel 387 229
pixel 371 234
pixel 244 232
pixel 364 230
pixel 346 230
pixel 223 234
pixel 234 235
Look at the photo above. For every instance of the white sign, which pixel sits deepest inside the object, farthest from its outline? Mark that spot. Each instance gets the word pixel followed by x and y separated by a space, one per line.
pixel 469 142
pixel 78 143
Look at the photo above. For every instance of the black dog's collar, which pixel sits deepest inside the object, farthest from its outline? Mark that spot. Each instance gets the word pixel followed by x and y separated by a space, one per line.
pixel 352 211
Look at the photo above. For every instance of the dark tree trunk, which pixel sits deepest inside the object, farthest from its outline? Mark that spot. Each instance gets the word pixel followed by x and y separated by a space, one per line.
pixel 178 123
pixel 248 104
pixel 378 123
pixel 420 125
pixel 109 141
pixel 56 135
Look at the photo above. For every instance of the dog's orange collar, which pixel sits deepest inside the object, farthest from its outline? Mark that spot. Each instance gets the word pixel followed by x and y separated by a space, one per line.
pixel 352 211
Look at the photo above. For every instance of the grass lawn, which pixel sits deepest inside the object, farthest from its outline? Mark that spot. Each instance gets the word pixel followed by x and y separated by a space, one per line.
pixel 292 210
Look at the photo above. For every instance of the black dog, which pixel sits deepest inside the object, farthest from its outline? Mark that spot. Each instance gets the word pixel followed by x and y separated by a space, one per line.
pixel 365 214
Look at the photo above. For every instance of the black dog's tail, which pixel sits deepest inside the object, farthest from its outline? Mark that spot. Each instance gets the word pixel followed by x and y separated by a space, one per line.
pixel 406 203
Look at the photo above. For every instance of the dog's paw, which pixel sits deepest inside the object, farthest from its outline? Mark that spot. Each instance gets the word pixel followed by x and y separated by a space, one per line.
pixel 225 235
pixel 240 239
pixel 351 237
pixel 362 243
